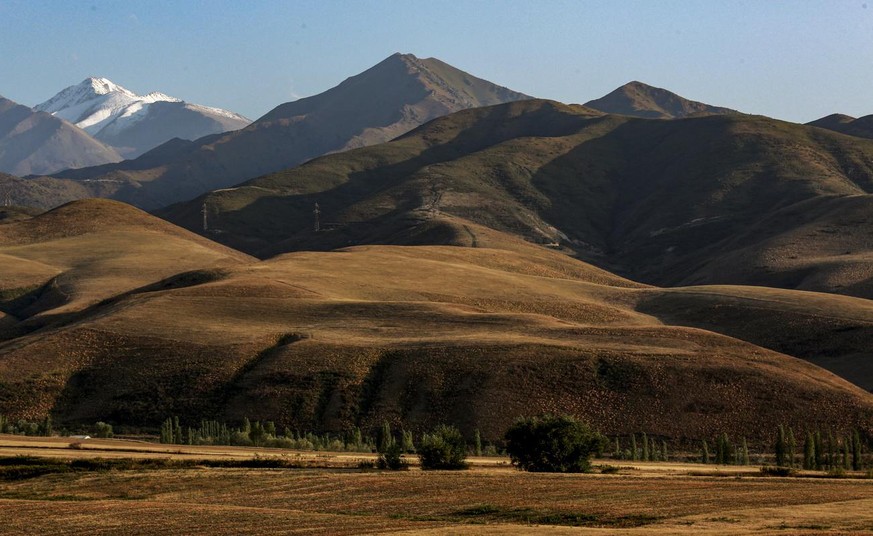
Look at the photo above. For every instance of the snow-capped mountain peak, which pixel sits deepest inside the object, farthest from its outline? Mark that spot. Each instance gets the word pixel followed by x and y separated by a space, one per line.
pixel 124 119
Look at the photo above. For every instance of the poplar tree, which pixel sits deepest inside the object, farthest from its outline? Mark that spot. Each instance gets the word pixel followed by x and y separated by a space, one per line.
pixel 745 452
pixel 856 451
pixel 646 453
pixel 781 447
pixel 847 464
pixel 809 452
pixel 792 447
pixel 634 452
pixel 664 456
pixel 704 453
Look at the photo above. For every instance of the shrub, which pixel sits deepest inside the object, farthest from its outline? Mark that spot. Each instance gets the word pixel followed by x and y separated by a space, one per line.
pixel 768 470
pixel 103 430
pixel 552 444
pixel 391 458
pixel 444 448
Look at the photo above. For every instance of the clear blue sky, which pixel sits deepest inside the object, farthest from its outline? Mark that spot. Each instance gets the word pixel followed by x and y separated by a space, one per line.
pixel 795 60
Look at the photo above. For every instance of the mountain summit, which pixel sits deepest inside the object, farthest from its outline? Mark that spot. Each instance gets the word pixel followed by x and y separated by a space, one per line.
pixel 642 100
pixel 377 105
pixel 135 123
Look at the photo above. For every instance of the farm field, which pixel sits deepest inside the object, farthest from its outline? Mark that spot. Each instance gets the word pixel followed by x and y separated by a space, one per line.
pixel 490 498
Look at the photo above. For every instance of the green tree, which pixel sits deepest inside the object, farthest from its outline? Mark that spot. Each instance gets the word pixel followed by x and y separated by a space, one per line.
pixel 856 451
pixel 645 442
pixel 809 452
pixel 444 448
pixel 45 428
pixel 781 447
pixel 664 456
pixel 558 444
pixel 745 452
pixel 102 430
pixel 791 444
pixel 392 458
pixel 477 443
pixel 617 453
pixel 704 453
pixel 408 444
pixel 386 438
pixel 634 450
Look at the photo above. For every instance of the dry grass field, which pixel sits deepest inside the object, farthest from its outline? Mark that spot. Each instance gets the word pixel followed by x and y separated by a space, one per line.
pixel 337 498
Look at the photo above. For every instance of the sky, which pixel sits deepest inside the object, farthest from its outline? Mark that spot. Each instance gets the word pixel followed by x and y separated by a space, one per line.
pixel 794 60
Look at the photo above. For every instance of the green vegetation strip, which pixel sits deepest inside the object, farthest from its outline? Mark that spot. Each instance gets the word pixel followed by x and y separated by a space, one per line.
pixel 24 467
pixel 488 513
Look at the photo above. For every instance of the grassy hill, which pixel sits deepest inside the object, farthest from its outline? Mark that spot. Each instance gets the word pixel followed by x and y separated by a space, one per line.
pixel 416 335
pixel 706 200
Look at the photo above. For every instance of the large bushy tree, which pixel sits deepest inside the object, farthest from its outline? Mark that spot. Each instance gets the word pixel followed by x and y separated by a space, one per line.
pixel 552 444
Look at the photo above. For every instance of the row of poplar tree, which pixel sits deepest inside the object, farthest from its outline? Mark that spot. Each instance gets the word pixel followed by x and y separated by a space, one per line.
pixel 256 433
pixel 820 451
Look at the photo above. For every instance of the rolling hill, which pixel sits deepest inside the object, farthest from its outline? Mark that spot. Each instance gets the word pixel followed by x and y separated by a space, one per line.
pixel 385 101
pixel 134 124
pixel 38 143
pixel 717 199
pixel 642 100
pixel 861 127
pixel 136 320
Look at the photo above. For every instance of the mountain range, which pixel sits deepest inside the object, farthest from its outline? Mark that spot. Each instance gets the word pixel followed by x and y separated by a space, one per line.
pixel 33 142
pixel 713 199
pixel 383 102
pixel 135 124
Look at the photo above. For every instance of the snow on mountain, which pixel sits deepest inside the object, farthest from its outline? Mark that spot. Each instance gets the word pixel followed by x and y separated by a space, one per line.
pixel 129 122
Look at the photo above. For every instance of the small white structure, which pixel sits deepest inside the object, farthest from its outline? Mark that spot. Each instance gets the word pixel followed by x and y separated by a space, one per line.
pixel 80 437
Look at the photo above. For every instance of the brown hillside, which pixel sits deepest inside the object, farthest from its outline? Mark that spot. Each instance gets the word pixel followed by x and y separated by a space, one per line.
pixel 417 335
pixel 86 251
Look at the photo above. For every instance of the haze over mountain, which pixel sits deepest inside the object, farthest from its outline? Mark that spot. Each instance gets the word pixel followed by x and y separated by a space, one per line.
pixel 377 105
pixel 641 100
pixel 705 200
pixel 132 123
pixel 38 143
pixel 111 314
pixel 861 127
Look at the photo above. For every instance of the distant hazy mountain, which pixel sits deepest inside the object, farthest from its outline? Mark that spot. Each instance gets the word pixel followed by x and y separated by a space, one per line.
pixel 38 143
pixel 385 101
pixel 641 100
pixel 135 123
pixel 861 127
